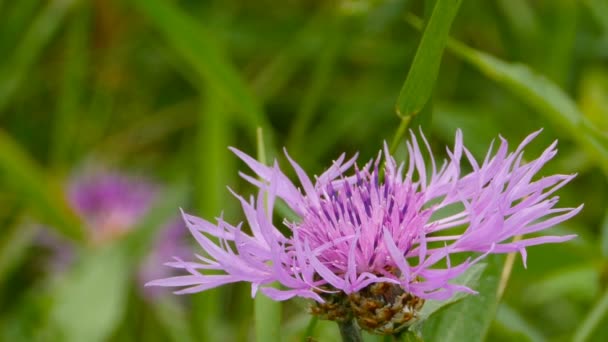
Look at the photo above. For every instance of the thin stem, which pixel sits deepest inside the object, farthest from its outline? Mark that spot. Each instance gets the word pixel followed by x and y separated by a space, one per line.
pixel 592 320
pixel 310 328
pixel 267 311
pixel 350 331
pixel 405 122
pixel 506 271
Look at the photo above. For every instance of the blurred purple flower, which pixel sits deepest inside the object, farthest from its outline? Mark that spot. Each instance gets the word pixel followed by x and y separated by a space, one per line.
pixel 364 228
pixel 110 205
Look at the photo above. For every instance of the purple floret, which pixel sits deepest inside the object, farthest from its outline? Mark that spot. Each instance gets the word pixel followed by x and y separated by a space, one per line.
pixel 111 203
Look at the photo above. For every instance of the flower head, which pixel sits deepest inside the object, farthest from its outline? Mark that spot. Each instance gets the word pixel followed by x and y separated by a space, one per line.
pixel 110 203
pixel 362 231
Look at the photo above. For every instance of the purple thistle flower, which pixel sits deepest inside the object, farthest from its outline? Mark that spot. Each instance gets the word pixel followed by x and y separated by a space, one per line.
pixel 112 204
pixel 361 231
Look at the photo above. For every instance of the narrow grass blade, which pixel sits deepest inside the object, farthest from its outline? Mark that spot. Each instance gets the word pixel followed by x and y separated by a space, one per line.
pixel 599 10
pixel 267 311
pixel 512 319
pixel 320 79
pixel 306 43
pixel 423 72
pixel 604 236
pixel 172 317
pixel 72 86
pixel 543 95
pixel 14 243
pixel 592 320
pixel 43 195
pixel 195 45
pixel 538 92
pixel 16 67
pixel 267 319
pixel 214 169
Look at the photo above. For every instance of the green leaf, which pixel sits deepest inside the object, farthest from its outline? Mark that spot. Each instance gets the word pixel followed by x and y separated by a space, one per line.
pixel 171 315
pixel 275 75
pixel 320 80
pixel 538 92
pixel 15 68
pixel 604 236
pixel 40 193
pixel 599 11
pixel 470 279
pixel 14 243
pixel 470 318
pixel 267 319
pixel 514 321
pixel 423 72
pixel 195 45
pixel 581 282
pixel 72 87
pixel 592 320
pixel 89 301
pixel 215 169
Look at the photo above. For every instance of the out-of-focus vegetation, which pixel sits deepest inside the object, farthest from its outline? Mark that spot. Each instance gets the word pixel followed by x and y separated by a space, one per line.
pixel 161 88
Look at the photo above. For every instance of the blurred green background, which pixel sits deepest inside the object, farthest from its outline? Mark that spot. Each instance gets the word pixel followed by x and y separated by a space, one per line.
pixel 161 88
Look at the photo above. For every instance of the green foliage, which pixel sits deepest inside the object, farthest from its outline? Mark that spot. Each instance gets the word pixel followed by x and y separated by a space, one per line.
pixel 196 46
pixel 42 195
pixel 89 302
pixel 469 279
pixel 470 318
pixel 161 88
pixel 424 69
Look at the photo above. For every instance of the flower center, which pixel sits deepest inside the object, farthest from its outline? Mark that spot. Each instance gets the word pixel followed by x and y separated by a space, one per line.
pixel 354 214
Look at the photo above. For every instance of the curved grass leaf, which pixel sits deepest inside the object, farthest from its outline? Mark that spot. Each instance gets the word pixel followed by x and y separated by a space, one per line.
pixel 214 169
pixel 604 236
pixel 538 92
pixel 424 69
pixel 591 322
pixel 39 33
pixel 195 45
pixel 72 86
pixel 44 196
pixel 16 238
pixel 172 317
pixel 513 320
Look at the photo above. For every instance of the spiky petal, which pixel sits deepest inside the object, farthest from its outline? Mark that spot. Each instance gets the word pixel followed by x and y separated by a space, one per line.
pixel 357 228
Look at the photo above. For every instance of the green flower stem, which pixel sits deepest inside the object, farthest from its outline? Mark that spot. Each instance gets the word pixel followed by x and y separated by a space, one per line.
pixel 506 271
pixel 267 311
pixel 350 331
pixel 267 319
pixel 310 328
pixel 405 122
